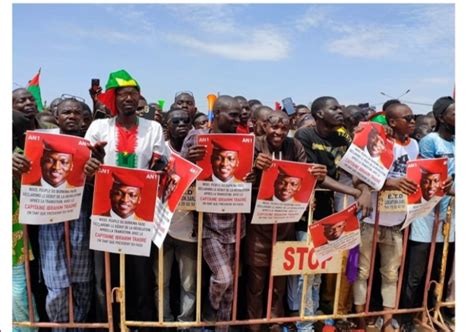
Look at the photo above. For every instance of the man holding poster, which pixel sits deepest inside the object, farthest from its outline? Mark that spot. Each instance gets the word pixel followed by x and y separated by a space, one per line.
pixel 219 231
pixel 439 144
pixel 126 140
pixel 56 166
pixel 275 143
pixel 390 238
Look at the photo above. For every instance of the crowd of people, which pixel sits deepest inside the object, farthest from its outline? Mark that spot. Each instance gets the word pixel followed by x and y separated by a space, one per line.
pixel 319 134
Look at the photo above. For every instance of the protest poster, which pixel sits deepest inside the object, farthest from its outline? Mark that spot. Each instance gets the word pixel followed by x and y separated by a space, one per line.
pixel 336 233
pixel 221 186
pixel 296 257
pixel 51 191
pixel 188 201
pixel 370 155
pixel 392 201
pixel 123 209
pixel 284 193
pixel 429 174
pixel 175 182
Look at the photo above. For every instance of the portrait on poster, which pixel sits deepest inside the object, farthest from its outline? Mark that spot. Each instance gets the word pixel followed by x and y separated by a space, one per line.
pixel 335 233
pixel 370 155
pixel 176 179
pixel 429 175
pixel 123 210
pixel 52 190
pixel 284 193
pixel 221 187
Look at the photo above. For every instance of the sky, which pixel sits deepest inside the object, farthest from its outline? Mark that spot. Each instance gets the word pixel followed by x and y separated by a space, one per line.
pixel 264 51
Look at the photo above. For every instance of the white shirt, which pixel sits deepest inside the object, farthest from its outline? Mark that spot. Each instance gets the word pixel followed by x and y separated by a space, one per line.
pixel 149 140
pixel 401 155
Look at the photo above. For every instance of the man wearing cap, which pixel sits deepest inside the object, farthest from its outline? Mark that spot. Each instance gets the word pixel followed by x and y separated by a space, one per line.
pixel 273 144
pixel 287 184
pixel 58 277
pixel 333 231
pixel 438 144
pixel 219 231
pixel 126 140
pixel 224 161
pixel 56 165
pixel 125 195
pixel 430 183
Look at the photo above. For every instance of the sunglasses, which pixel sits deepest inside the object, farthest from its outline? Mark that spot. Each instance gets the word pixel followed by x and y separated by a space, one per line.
pixel 176 121
pixel 408 118
pixel 274 120
pixel 65 96
pixel 200 123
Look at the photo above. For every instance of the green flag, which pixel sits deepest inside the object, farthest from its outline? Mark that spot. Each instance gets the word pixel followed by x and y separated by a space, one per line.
pixel 34 88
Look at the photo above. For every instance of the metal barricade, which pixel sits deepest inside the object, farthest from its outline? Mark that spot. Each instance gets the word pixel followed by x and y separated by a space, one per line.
pixel 429 317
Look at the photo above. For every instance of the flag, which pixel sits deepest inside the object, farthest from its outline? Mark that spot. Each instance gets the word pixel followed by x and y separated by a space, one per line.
pixel 34 88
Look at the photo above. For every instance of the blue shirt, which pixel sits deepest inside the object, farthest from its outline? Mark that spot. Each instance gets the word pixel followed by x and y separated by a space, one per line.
pixel 433 146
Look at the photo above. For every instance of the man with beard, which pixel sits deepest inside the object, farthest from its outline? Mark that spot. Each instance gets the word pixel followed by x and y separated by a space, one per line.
pixel 58 278
pixel 438 144
pixel 126 140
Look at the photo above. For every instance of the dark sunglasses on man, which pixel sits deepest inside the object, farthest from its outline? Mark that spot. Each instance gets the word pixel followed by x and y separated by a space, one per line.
pixel 185 120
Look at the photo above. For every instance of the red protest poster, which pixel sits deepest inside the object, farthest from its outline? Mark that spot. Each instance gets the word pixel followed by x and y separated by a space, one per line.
pixel 221 186
pixel 52 191
pixel 284 193
pixel 338 232
pixel 370 155
pixel 123 210
pixel 178 177
pixel 429 174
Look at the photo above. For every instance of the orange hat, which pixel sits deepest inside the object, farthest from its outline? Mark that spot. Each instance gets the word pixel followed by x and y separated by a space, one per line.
pixel 128 180
pixel 226 145
pixel 62 146
pixel 290 171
